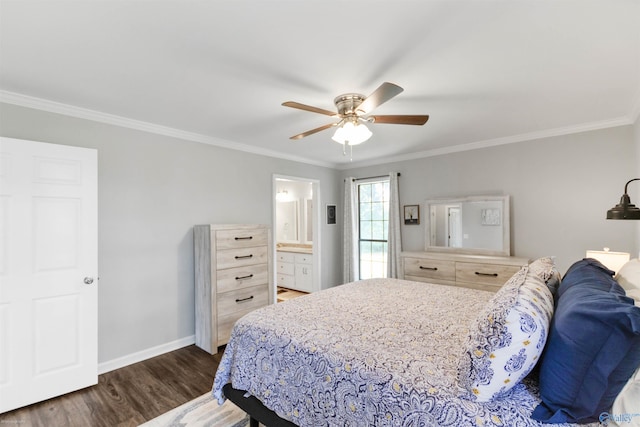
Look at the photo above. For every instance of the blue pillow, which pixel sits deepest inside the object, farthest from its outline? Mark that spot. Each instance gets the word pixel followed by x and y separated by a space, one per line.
pixel 590 273
pixel 593 346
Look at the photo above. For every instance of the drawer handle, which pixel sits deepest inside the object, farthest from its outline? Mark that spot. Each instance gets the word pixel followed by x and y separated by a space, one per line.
pixel 429 268
pixel 487 274
pixel 244 299
pixel 244 238
pixel 244 277
pixel 244 256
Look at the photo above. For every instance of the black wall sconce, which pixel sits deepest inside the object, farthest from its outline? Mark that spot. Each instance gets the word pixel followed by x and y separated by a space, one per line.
pixel 625 209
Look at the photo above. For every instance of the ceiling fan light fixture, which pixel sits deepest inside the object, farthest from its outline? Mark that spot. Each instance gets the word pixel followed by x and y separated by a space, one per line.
pixel 352 134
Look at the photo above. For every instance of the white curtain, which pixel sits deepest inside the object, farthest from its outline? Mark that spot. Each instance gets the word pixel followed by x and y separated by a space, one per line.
pixel 350 268
pixel 394 238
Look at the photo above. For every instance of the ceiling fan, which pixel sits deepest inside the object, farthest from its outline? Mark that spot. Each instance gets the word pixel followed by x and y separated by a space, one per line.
pixel 353 113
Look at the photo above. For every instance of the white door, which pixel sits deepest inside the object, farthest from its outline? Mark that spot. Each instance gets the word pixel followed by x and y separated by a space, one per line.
pixel 48 271
pixel 454 227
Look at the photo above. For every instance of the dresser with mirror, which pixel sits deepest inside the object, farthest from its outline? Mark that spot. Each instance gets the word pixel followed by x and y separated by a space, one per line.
pixel 467 243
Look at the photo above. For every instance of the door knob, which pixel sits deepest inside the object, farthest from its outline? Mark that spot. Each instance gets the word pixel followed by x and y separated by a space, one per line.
pixel 88 280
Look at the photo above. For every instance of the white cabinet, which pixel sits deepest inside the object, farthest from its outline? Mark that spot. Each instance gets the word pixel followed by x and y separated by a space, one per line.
pixel 295 271
pixel 232 263
pixel 285 268
pixel 304 272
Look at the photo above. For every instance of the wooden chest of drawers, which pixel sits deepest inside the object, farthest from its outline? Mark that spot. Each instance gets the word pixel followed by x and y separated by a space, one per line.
pixel 471 271
pixel 232 277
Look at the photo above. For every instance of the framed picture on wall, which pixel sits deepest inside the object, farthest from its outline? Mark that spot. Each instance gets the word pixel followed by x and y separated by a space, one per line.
pixel 331 214
pixel 490 217
pixel 411 214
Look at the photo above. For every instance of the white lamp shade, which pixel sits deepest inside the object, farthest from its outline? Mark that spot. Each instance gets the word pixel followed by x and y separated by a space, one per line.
pixel 612 260
pixel 352 134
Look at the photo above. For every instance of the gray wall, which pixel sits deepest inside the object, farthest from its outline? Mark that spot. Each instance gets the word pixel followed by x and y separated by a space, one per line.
pixel 560 190
pixel 152 190
pixel 635 195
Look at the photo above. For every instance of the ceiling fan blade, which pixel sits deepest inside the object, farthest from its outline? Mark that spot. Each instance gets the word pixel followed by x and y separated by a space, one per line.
pixel 304 107
pixel 312 131
pixel 401 120
pixel 385 92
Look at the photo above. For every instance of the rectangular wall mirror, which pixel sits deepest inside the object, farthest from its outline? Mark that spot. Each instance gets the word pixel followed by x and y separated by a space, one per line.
pixel 294 211
pixel 287 226
pixel 469 225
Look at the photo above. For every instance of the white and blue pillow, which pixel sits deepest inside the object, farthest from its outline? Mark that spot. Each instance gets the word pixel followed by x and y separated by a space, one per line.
pixel 507 338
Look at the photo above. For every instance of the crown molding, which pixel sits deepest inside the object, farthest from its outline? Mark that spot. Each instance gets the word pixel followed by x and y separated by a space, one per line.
pixel 112 119
pixel 567 130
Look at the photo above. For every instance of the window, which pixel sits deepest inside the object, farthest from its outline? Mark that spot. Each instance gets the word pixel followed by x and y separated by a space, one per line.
pixel 373 221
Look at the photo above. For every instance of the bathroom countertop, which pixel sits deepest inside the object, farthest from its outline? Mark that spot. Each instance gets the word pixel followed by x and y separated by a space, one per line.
pixel 295 249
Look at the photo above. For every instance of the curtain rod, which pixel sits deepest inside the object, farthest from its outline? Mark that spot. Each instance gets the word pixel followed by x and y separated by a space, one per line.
pixel 372 177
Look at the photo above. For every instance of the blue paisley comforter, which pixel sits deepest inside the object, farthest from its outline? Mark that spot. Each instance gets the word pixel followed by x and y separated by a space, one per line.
pixel 379 352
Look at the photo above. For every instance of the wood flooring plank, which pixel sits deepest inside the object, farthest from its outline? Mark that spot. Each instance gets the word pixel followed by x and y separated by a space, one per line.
pixel 128 396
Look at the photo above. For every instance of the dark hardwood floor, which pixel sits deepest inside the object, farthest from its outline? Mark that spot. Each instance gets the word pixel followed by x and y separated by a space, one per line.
pixel 128 396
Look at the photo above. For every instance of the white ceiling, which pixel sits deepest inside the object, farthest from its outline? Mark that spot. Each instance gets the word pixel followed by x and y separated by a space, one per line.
pixel 487 72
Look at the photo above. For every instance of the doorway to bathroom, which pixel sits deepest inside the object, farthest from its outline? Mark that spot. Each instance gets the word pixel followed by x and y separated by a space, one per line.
pixel 296 236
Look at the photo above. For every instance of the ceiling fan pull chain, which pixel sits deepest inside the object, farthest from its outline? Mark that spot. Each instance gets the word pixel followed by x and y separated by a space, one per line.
pixel 344 150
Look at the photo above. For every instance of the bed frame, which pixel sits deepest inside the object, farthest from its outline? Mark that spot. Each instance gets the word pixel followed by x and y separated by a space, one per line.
pixel 258 413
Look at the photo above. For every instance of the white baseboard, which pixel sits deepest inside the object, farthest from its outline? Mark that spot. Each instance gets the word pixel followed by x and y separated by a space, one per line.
pixel 139 356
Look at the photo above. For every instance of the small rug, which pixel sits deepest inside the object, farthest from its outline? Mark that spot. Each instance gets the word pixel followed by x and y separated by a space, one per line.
pixel 200 412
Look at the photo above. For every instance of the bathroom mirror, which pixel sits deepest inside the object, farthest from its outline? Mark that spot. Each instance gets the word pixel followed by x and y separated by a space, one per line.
pixel 469 225
pixel 294 215
pixel 287 221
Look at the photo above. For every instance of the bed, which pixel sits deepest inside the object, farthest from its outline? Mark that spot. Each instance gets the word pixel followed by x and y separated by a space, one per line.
pixel 387 352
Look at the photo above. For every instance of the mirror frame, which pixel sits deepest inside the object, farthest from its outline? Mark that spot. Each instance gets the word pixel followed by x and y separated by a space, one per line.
pixel 307 236
pixel 506 226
